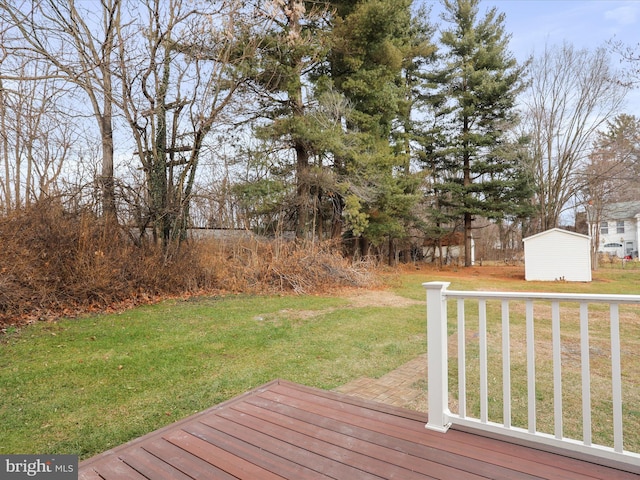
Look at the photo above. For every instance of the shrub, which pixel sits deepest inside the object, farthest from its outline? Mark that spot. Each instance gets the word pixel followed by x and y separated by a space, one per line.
pixel 54 262
pixel 271 266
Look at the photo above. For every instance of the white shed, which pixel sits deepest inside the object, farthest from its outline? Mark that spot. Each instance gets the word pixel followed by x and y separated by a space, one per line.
pixel 557 255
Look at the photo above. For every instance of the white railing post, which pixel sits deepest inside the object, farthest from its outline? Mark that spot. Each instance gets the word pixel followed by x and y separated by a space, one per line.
pixel 437 366
pixel 562 305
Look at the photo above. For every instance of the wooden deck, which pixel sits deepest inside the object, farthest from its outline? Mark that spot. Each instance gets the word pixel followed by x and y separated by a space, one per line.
pixel 285 430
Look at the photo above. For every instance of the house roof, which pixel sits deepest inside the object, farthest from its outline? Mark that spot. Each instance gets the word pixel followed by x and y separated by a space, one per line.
pixel 621 210
pixel 560 230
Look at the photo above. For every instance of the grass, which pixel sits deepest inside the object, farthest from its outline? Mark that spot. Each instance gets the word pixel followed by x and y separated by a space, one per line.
pixel 83 386
pixel 606 281
pixel 86 385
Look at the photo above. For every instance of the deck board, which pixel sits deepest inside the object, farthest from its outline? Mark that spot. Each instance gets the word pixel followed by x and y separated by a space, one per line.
pixel 185 461
pixel 287 431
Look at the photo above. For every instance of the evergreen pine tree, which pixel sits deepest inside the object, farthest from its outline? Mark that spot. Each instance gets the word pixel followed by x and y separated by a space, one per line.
pixel 473 96
pixel 290 50
pixel 374 42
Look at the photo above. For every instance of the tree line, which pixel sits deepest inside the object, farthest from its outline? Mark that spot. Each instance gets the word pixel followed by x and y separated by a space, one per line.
pixel 373 123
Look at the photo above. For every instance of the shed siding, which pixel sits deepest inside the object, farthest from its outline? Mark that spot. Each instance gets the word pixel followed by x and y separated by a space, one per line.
pixel 558 255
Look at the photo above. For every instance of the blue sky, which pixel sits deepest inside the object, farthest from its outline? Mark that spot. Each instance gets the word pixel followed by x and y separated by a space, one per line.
pixel 583 23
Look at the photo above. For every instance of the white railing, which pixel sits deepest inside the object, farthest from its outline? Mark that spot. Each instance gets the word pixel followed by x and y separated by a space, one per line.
pixel 493 315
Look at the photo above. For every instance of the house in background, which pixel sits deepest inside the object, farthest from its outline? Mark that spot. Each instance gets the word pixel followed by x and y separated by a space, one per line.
pixel 557 255
pixel 620 229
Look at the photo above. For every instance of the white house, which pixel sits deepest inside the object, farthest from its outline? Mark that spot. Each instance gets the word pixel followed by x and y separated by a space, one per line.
pixel 557 255
pixel 620 229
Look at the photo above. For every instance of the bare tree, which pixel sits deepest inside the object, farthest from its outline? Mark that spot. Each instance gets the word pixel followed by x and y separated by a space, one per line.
pixel 630 56
pixel 79 44
pixel 598 190
pixel 618 148
pixel 176 85
pixel 572 93
pixel 36 134
pixel 5 189
pixel 611 173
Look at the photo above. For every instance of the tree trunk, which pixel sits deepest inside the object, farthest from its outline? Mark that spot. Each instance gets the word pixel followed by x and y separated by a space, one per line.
pixel 107 185
pixel 392 252
pixel 5 154
pixel 106 130
pixel 466 168
pixel 303 189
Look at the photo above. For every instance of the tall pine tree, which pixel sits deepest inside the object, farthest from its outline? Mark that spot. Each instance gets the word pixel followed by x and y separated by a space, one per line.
pixel 374 41
pixel 473 95
pixel 290 50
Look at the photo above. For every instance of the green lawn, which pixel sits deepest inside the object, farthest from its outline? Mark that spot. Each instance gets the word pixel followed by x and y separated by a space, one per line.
pixel 608 280
pixel 83 386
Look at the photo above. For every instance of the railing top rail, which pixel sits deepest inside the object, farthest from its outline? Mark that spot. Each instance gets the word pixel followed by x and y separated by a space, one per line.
pixel 561 297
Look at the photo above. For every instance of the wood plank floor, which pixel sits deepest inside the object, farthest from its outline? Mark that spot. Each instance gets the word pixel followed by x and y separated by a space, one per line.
pixel 284 430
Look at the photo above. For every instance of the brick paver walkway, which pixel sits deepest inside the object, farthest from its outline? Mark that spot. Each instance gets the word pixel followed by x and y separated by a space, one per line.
pixel 405 387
